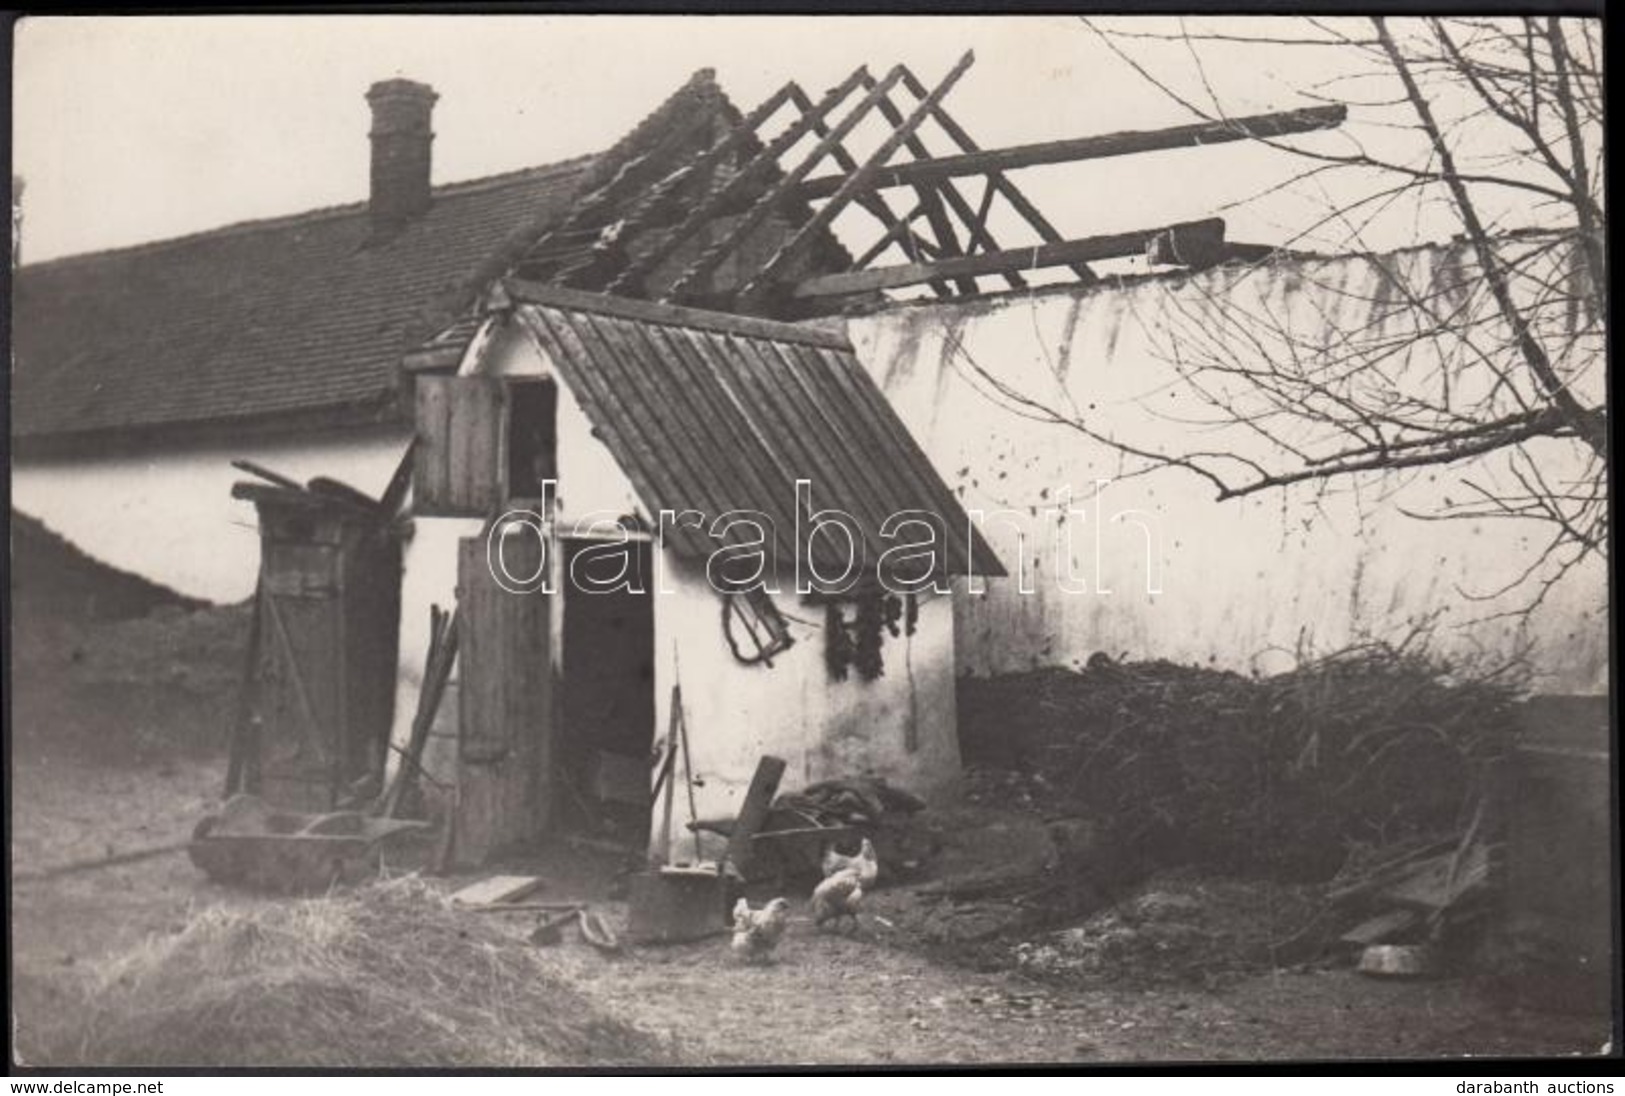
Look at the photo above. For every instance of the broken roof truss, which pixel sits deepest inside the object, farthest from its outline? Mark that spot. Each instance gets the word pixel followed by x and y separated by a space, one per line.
pixel 793 156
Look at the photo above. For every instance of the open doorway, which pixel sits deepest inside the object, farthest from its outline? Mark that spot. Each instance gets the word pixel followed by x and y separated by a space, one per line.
pixel 609 698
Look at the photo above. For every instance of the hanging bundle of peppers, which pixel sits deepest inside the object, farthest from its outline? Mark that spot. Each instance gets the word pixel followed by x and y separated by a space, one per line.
pixel 856 643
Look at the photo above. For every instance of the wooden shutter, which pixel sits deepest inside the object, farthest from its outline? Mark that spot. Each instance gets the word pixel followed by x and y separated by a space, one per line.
pixel 458 470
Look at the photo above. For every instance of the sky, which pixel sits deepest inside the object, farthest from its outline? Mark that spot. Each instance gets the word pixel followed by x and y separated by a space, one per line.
pixel 128 129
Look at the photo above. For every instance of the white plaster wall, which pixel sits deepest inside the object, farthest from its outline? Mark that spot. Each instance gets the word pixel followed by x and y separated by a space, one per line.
pixel 1244 584
pixel 169 516
pixel 793 710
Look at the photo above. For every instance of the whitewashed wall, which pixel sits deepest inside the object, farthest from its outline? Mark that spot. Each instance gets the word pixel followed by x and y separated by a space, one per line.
pixel 901 726
pixel 169 515
pixel 1244 584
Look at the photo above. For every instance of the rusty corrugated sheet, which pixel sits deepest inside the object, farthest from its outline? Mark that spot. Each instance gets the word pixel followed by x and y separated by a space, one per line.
pixel 715 413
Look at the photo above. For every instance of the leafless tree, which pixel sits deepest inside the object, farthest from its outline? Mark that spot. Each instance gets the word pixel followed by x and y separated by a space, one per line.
pixel 1487 358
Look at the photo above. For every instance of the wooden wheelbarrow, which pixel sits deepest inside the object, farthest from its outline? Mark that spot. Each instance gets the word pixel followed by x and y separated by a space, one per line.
pixel 251 844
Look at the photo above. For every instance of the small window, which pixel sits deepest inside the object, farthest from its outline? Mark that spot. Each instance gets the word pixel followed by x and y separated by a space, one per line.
pixel 532 437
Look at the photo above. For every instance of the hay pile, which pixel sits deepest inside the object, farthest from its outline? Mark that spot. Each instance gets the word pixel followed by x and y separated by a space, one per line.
pixel 389 976
pixel 1287 776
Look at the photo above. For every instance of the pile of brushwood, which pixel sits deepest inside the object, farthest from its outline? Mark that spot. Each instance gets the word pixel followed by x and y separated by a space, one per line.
pixel 1287 776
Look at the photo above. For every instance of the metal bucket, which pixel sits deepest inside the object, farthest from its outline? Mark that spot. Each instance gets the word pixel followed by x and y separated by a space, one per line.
pixel 674 905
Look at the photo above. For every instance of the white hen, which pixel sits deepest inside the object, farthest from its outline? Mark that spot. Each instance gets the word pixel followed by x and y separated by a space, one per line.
pixel 757 932
pixel 837 897
pixel 866 863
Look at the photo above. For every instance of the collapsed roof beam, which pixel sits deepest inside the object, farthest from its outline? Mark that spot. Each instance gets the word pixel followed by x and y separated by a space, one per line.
pixel 1098 147
pixel 1196 242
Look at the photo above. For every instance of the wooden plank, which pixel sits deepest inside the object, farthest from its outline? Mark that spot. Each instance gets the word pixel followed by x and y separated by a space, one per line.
pixel 692 370
pixel 242 760
pixel 506 696
pixel 866 401
pixel 1018 201
pixel 266 474
pixel 627 378
pixel 476 473
pixel 759 167
pixel 777 194
pixel 837 480
pixel 1097 147
pixel 553 330
pixel 431 457
pixel 437 672
pixel 496 889
pixel 399 483
pixel 785 417
pixel 894 234
pixel 300 714
pixel 858 181
pixel 896 227
pixel 633 362
pixel 929 197
pixel 1066 252
pixel 865 448
pixel 1382 927
pixel 764 785
pixel 659 312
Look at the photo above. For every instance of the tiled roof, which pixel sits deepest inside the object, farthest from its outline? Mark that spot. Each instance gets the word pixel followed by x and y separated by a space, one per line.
pixel 281 317
pixel 714 412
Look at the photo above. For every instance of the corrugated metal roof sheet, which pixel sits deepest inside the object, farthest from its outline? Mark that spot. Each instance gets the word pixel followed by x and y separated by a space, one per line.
pixel 717 413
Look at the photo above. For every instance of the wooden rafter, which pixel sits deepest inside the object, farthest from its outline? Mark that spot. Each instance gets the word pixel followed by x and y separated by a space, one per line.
pixel 935 216
pixel 859 180
pixel 758 167
pixel 1101 146
pixel 897 228
pixel 1008 190
pixel 777 194
pixel 1204 236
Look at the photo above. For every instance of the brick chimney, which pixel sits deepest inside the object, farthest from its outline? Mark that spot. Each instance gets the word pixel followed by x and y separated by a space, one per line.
pixel 400 151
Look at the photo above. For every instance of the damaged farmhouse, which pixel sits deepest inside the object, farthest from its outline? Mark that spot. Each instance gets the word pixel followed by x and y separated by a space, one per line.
pixel 674 499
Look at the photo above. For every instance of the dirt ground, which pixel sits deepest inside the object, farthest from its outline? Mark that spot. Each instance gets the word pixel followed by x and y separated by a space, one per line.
pixel 881 996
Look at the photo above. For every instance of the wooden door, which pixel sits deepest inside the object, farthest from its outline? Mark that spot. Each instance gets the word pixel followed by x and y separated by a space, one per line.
pixel 506 693
pixel 302 693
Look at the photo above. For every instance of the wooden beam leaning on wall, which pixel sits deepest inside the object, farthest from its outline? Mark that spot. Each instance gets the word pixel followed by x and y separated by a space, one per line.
pixel 1205 237
pixel 1098 147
